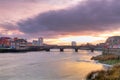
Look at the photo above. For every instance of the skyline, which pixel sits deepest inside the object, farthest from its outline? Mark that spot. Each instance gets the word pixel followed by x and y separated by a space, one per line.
pixel 60 22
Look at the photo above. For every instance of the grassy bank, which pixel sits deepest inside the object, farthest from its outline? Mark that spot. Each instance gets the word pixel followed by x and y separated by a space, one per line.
pixel 107 59
pixel 110 74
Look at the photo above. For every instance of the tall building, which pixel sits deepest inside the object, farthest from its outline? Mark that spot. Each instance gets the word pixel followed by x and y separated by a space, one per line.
pixel 73 43
pixel 40 41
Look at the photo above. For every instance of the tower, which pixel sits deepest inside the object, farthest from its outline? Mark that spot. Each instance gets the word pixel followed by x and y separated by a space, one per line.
pixel 40 41
pixel 73 43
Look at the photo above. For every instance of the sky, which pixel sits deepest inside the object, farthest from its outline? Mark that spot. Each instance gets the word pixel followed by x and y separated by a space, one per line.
pixel 60 21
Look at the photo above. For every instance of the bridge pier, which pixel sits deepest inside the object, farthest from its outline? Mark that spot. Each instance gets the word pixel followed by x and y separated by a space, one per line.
pixel 76 49
pixel 92 49
pixel 61 49
pixel 48 50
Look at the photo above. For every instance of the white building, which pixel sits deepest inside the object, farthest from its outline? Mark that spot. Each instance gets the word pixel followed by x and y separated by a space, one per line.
pixel 38 42
pixel 73 43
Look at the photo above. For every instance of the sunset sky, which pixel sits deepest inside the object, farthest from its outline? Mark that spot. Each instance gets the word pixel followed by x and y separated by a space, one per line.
pixel 60 21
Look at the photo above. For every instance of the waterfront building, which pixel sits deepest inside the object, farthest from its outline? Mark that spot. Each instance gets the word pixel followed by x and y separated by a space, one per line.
pixel 73 43
pixel 100 45
pixel 5 42
pixel 29 44
pixel 38 42
pixel 35 43
pixel 113 42
pixel 112 45
pixel 19 44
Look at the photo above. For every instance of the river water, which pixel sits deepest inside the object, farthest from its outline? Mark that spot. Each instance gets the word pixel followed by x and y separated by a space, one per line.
pixel 53 65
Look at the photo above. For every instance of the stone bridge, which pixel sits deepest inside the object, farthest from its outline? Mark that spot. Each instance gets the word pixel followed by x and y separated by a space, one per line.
pixel 61 48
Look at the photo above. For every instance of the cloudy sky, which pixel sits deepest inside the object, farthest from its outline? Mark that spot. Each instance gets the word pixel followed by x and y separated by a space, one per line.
pixel 60 21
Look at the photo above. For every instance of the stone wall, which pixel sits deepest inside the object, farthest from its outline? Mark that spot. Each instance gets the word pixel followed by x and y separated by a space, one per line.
pixel 112 51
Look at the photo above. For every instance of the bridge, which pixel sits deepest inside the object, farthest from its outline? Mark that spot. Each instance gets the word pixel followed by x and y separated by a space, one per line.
pixel 61 48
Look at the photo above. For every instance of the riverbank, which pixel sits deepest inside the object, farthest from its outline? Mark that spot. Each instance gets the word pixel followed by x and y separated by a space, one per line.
pixel 111 74
pixel 107 59
pixel 8 50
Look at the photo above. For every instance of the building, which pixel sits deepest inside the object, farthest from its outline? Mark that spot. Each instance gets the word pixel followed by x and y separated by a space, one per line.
pixel 73 43
pixel 38 42
pixel 29 44
pixel 5 42
pixel 35 43
pixel 113 42
pixel 19 44
pixel 100 45
pixel 112 45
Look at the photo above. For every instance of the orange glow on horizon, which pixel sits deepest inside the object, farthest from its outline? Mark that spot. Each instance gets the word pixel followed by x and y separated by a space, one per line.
pixel 82 39
pixel 79 40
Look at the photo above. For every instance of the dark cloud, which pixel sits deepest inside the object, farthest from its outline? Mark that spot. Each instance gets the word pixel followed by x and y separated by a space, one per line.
pixel 90 15
pixel 9 26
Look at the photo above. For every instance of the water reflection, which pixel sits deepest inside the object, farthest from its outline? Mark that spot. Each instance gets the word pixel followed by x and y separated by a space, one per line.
pixel 52 65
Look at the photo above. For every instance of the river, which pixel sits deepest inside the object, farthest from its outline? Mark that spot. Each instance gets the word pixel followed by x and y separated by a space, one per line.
pixel 53 65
